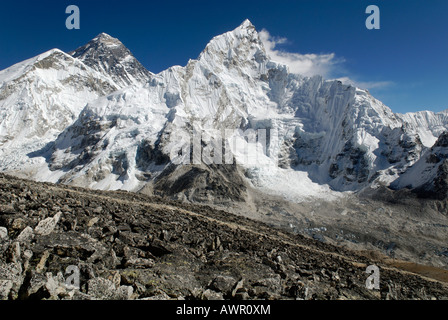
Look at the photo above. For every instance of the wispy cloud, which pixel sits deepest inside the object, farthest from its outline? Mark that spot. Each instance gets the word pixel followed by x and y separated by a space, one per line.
pixel 366 84
pixel 305 64
pixel 328 65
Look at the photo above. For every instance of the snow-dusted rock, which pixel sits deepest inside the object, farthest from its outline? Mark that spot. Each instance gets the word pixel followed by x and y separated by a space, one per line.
pixel 429 175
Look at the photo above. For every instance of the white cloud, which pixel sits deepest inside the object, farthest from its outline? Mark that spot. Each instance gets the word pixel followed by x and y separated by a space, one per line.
pixel 327 65
pixel 366 84
pixel 305 64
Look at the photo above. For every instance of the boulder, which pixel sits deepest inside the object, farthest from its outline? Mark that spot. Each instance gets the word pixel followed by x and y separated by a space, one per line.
pixel 46 227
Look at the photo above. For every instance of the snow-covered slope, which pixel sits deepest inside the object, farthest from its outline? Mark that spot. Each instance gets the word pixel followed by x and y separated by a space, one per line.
pixel 42 96
pixel 429 175
pixel 427 124
pixel 323 136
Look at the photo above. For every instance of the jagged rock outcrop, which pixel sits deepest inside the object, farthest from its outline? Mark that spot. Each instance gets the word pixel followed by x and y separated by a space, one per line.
pixel 108 55
pixel 429 176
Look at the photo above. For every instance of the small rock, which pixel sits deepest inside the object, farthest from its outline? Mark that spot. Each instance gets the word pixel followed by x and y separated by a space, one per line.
pixel 223 284
pixel 14 273
pixel 101 288
pixel 45 227
pixel 3 234
pixel 15 252
pixel 139 263
pixel 92 222
pixel 26 235
pixel 237 287
pixel 27 254
pixel 55 285
pixel 335 276
pixel 98 210
pixel 123 293
pixel 7 209
pixel 111 260
pixel 212 295
pixel 43 261
pixel 242 296
pixel 18 224
pixel 105 289
pixel 304 273
pixel 218 244
pixel 5 289
pixel 116 278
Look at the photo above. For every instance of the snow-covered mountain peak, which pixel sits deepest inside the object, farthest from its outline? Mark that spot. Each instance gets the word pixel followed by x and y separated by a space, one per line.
pixel 246 24
pixel 103 40
pixel 239 47
pixel 110 56
pixel 39 98
pixel 107 40
pixel 22 68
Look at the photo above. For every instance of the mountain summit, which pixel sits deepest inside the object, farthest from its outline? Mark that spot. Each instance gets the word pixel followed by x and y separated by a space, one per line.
pixel 108 55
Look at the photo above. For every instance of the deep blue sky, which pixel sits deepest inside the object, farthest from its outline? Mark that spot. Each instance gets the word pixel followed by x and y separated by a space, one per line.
pixel 408 53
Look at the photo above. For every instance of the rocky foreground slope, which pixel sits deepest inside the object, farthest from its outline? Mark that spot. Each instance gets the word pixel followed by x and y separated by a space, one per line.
pixel 130 246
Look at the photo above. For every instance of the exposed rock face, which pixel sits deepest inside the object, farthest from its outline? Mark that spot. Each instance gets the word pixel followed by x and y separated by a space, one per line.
pixel 213 184
pixel 429 176
pixel 108 55
pixel 129 246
